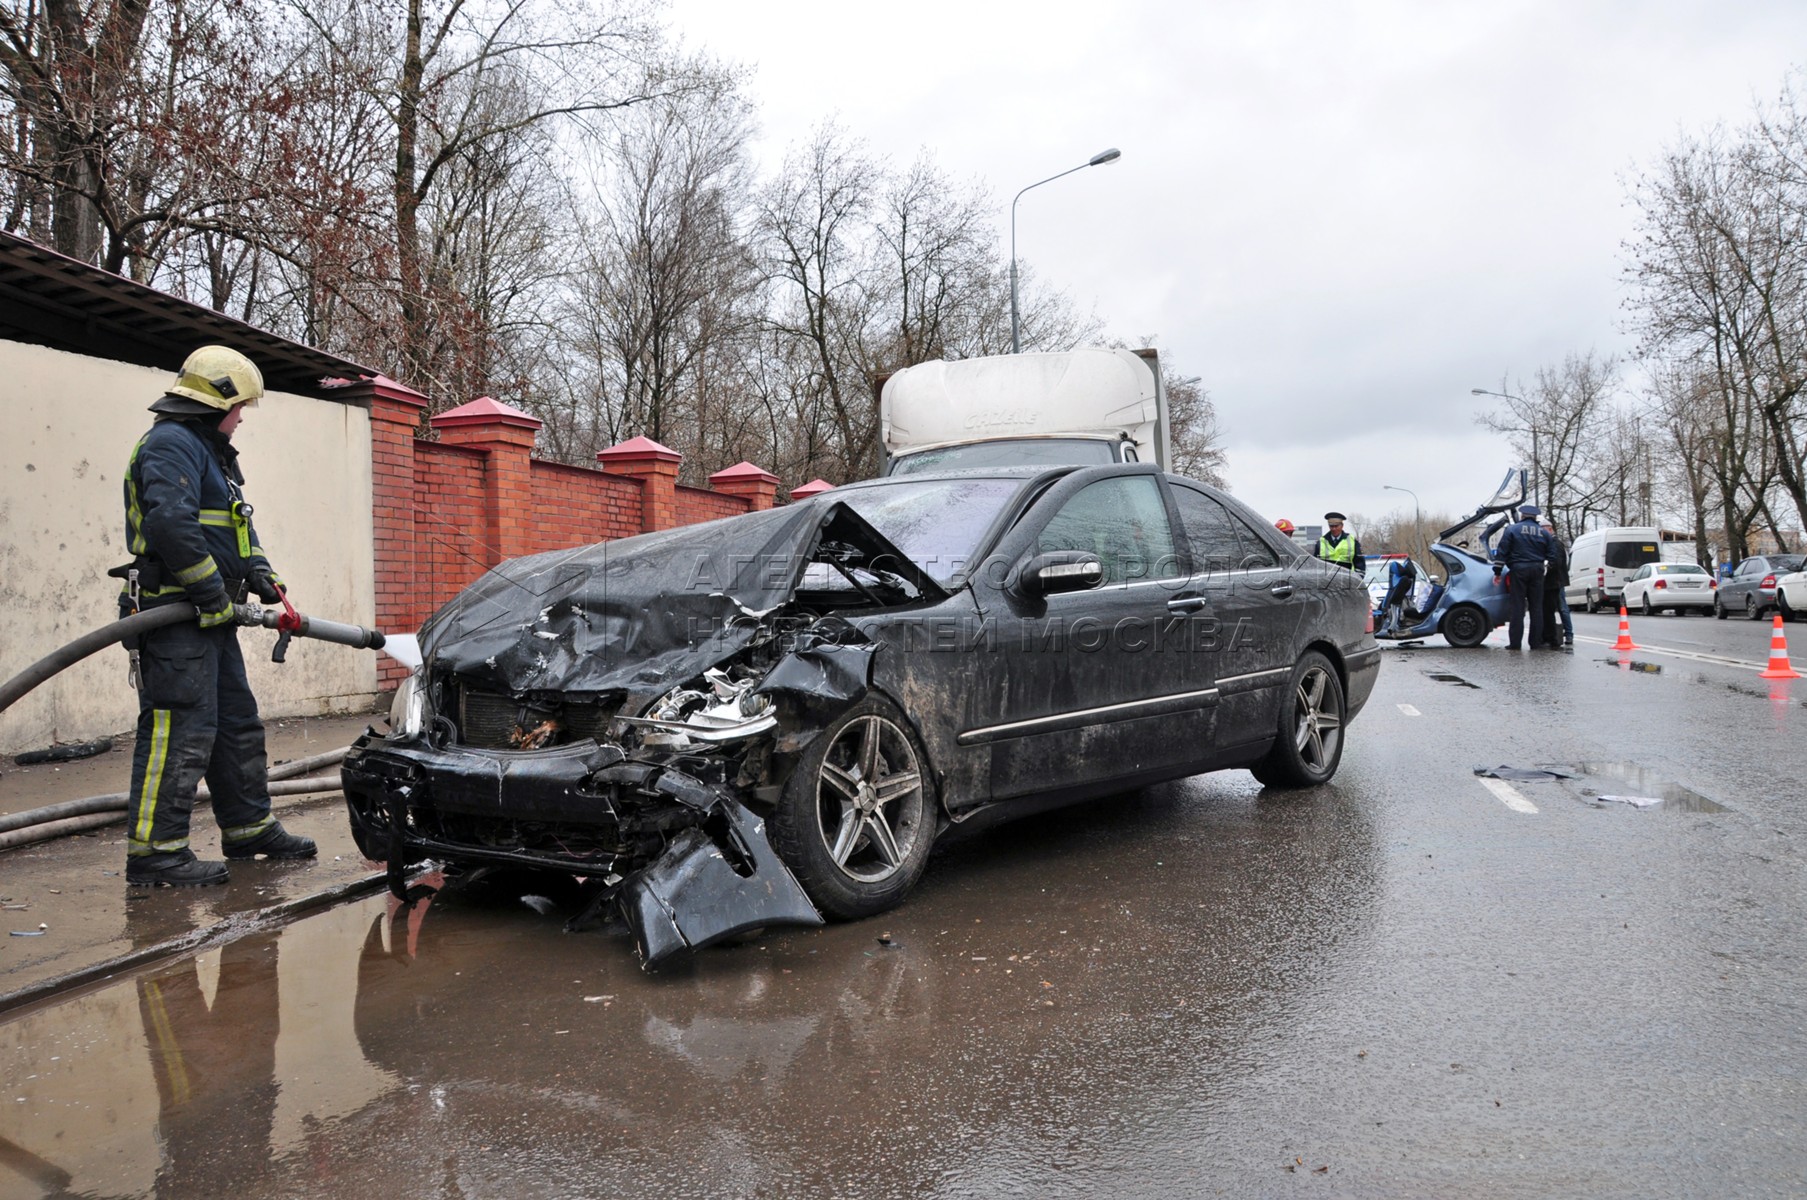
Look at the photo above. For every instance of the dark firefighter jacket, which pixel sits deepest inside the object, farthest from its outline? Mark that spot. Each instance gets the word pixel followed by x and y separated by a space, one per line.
pixel 186 518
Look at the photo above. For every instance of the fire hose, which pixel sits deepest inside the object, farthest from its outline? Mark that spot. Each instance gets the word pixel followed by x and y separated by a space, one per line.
pixel 75 815
pixel 285 620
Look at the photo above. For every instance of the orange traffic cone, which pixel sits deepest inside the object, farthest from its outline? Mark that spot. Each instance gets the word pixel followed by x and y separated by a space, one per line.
pixel 1625 642
pixel 1779 666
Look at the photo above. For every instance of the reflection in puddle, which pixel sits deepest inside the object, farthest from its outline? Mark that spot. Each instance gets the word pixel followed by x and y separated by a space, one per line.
pixel 1446 677
pixel 1645 783
pixel 1631 664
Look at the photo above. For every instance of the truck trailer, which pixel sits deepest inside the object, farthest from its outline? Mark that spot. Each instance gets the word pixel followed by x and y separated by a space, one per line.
pixel 1076 406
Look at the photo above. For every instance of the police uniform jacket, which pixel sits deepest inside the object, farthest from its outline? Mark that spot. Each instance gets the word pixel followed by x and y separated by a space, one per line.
pixel 1524 545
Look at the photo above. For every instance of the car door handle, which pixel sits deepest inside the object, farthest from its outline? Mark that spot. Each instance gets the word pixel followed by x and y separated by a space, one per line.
pixel 1186 604
pixel 1282 589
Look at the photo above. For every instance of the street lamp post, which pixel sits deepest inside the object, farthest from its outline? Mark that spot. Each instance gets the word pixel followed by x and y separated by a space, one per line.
pixel 1536 463
pixel 1097 160
pixel 1417 516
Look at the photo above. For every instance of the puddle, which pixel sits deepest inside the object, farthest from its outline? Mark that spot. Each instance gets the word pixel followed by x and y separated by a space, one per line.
pixel 1641 782
pixel 1446 677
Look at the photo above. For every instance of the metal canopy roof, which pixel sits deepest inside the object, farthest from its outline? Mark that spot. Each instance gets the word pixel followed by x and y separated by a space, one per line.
pixel 47 299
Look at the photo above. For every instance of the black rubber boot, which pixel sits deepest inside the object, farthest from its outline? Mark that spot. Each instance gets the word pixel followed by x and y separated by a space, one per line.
pixel 181 869
pixel 274 842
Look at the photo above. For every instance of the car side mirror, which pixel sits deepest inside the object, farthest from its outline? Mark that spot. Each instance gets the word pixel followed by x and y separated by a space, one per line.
pixel 1059 571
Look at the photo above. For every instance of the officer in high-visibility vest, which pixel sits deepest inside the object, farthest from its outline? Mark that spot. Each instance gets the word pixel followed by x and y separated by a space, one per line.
pixel 189 527
pixel 1341 548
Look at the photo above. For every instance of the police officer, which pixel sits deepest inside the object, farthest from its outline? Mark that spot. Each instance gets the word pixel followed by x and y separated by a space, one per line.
pixel 190 529
pixel 1525 550
pixel 1339 547
pixel 1558 626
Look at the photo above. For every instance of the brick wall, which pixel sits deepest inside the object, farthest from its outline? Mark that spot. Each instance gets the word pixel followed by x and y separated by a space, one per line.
pixel 573 506
pixel 451 525
pixel 445 511
pixel 701 504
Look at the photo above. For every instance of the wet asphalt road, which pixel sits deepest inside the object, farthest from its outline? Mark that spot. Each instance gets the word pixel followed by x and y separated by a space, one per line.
pixel 1405 984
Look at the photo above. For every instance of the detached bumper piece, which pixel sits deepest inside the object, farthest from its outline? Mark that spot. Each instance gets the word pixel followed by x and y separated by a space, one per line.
pixel 713 881
pixel 692 865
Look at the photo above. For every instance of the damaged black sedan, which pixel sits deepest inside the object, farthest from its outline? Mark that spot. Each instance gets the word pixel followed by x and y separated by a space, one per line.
pixel 768 719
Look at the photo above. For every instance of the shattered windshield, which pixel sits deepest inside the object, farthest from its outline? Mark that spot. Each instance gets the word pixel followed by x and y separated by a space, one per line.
pixel 936 523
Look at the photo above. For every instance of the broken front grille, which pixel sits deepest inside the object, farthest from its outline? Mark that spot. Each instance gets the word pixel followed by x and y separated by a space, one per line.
pixel 494 721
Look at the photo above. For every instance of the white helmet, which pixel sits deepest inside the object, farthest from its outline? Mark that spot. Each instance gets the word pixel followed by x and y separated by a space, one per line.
pixel 219 377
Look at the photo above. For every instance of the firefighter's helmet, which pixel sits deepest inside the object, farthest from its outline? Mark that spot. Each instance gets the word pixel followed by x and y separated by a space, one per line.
pixel 219 377
pixel 1284 526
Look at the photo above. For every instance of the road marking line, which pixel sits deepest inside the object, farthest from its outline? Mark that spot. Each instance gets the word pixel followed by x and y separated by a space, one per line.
pixel 1409 711
pixel 1508 795
pixel 1715 659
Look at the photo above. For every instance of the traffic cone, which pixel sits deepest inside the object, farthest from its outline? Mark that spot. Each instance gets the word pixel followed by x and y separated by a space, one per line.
pixel 1779 666
pixel 1625 642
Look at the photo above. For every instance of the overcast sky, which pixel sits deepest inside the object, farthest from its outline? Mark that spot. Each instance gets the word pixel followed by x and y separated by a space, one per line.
pixel 1340 216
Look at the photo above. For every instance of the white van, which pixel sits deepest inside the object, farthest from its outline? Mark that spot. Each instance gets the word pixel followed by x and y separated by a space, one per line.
pixel 1602 559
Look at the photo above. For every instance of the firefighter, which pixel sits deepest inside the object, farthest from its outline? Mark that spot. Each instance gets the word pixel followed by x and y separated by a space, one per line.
pixel 190 530
pixel 1339 547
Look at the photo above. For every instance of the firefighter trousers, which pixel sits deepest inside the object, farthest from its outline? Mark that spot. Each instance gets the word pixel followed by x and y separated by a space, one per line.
pixel 196 718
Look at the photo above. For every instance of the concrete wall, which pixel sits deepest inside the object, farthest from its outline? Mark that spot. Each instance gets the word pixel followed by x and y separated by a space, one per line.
pixel 70 424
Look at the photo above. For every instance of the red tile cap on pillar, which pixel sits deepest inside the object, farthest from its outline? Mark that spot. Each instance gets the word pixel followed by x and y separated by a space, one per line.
pixel 638 449
pixel 484 410
pixel 814 487
pixel 755 485
pixel 741 471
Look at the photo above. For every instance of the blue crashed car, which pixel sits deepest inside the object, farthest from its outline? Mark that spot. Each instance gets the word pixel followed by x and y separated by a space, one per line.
pixel 1469 601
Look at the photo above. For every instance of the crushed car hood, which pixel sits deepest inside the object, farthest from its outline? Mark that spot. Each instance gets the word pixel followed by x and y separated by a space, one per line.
pixel 640 614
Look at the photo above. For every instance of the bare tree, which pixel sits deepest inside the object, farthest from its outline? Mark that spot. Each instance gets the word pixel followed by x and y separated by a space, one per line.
pixel 1556 425
pixel 1719 272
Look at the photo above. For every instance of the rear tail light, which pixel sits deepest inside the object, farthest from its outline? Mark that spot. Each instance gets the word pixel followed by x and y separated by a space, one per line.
pixel 1661 583
pixel 1370 628
pixel 1600 576
pixel 1769 581
pixel 1713 583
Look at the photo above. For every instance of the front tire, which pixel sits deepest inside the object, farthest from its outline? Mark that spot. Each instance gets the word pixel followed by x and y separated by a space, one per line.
pixel 1783 606
pixel 1309 744
pixel 857 816
pixel 1718 609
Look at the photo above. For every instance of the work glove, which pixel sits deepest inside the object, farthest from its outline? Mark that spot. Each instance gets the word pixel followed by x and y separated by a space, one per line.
pixel 223 615
pixel 214 605
pixel 1496 570
pixel 264 584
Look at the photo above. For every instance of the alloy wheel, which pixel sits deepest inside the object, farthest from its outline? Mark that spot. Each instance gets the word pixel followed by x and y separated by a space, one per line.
pixel 1317 718
pixel 869 799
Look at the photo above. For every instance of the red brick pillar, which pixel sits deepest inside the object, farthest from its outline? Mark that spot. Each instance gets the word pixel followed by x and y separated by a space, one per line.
pixel 506 435
pixel 656 467
pixel 758 486
pixel 394 417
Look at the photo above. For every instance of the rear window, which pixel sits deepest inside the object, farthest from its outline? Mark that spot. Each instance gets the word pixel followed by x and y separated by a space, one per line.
pixel 1627 555
pixel 1680 569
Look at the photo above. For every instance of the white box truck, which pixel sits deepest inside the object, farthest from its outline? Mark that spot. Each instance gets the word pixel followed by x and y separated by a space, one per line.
pixel 1077 406
pixel 1601 560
